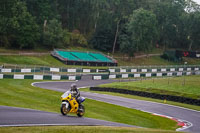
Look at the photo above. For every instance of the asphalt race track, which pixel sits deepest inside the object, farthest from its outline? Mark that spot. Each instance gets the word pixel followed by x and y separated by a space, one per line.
pixel 192 117
pixel 12 116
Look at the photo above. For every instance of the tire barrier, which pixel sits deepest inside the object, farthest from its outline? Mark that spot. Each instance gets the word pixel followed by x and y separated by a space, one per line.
pixel 40 77
pixel 149 95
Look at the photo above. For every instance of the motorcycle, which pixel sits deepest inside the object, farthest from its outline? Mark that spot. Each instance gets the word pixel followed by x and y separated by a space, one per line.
pixel 70 104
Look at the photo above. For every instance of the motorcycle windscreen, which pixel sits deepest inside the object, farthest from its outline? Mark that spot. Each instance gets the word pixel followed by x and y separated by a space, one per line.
pixel 66 94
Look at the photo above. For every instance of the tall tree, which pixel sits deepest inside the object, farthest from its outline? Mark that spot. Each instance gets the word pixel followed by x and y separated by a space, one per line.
pixel 53 34
pixel 193 30
pixel 143 29
pixel 104 36
pixel 19 28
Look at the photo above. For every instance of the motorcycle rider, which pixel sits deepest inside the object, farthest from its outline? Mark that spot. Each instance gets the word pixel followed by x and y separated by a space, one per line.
pixel 75 93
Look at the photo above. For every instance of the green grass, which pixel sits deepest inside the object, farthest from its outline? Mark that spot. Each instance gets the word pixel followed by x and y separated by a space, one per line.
pixel 19 93
pixel 195 61
pixel 155 60
pixel 44 60
pixel 145 98
pixel 120 114
pixel 47 60
pixel 187 86
pixel 79 129
pixel 4 50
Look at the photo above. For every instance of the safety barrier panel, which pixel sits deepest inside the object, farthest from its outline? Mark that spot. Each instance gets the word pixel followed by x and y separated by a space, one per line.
pixel 149 69
pixel 155 69
pixel 51 69
pixel 40 77
pixel 145 75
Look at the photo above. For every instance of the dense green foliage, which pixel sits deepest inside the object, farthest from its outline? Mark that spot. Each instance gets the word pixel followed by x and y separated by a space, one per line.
pixel 125 25
pixel 141 32
pixel 18 28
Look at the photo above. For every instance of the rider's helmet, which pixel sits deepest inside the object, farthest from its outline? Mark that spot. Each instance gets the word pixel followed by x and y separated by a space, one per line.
pixel 73 87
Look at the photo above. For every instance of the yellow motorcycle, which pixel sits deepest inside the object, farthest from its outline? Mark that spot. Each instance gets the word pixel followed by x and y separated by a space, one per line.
pixel 70 105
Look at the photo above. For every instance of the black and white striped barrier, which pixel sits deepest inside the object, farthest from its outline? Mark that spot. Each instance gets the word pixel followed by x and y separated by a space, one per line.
pixel 147 75
pixel 40 77
pixel 136 70
pixel 43 69
pixel 110 70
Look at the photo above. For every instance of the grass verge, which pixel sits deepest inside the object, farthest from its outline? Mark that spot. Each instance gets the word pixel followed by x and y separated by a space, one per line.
pixel 186 86
pixel 20 93
pixel 79 129
pixel 43 60
pixel 145 99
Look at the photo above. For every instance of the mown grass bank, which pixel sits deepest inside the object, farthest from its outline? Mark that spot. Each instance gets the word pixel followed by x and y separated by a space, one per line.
pixel 48 60
pixel 79 129
pixel 35 61
pixel 186 86
pixel 194 107
pixel 43 60
pixel 20 93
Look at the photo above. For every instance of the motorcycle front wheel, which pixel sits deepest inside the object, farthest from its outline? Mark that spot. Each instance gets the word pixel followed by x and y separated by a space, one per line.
pixel 64 110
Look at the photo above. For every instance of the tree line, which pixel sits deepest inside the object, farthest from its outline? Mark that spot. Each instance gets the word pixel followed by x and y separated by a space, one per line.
pixel 127 26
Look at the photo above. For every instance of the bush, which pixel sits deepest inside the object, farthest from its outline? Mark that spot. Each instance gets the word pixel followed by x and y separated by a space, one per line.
pixel 77 39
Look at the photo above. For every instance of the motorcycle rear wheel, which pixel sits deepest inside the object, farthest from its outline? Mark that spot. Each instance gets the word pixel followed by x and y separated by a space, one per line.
pixel 81 112
pixel 64 110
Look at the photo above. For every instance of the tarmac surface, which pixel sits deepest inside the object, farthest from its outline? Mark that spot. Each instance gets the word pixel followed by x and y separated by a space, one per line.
pixel 12 116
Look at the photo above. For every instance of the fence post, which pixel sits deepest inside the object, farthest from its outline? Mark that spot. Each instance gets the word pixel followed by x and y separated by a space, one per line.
pixel 43 70
pixel 34 70
pixel 168 81
pixel 14 69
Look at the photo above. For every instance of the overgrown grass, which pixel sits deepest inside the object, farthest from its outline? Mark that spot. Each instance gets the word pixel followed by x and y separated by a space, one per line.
pixel 187 86
pixel 20 93
pixel 79 129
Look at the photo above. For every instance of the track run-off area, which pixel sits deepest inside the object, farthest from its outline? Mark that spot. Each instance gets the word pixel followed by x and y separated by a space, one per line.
pixel 9 115
pixel 190 117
